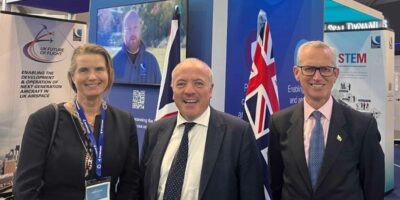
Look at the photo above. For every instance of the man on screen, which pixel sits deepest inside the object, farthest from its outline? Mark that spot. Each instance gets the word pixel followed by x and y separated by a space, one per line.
pixel 133 63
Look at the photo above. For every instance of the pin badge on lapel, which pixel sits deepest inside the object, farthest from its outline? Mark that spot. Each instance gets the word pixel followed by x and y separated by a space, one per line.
pixel 339 138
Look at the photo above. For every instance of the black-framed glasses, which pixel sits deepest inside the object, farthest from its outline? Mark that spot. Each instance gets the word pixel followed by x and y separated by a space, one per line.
pixel 323 70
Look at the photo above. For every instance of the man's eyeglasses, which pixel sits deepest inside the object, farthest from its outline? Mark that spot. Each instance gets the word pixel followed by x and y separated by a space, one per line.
pixel 323 70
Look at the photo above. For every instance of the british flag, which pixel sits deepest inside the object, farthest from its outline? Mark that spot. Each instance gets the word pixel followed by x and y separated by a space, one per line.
pixel 166 105
pixel 262 90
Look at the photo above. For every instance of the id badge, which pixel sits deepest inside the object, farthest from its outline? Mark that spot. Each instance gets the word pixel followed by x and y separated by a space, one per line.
pixel 98 189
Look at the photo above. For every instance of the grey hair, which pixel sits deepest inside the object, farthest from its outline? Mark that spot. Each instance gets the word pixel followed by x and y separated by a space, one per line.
pixel 315 44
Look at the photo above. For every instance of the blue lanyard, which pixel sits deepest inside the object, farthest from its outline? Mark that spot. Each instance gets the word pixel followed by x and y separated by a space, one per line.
pixel 98 150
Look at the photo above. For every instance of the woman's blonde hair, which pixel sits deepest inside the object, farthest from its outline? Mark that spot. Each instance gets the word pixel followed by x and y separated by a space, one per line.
pixel 91 49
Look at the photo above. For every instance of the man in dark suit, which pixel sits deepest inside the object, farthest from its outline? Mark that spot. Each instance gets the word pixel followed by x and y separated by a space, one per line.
pixel 216 159
pixel 320 149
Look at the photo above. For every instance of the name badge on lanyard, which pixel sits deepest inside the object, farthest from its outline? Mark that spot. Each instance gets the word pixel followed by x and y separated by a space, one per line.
pixel 98 147
pixel 98 189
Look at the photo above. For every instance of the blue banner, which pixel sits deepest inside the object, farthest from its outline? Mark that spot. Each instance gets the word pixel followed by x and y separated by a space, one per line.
pixel 139 100
pixel 291 24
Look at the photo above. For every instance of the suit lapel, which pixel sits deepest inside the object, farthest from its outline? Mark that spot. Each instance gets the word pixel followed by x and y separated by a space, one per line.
pixel 333 143
pixel 164 135
pixel 296 141
pixel 215 135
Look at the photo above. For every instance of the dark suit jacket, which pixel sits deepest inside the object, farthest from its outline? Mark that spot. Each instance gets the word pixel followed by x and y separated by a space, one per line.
pixel 63 172
pixel 352 169
pixel 231 166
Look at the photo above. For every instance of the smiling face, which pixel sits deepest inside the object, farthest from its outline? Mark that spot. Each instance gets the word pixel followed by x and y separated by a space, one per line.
pixel 132 31
pixel 317 88
pixel 192 88
pixel 90 76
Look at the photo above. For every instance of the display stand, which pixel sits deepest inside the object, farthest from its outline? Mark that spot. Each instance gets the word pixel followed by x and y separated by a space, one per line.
pixel 365 57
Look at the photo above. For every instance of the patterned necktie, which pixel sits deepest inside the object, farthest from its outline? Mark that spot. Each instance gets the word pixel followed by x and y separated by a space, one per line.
pixel 317 148
pixel 173 186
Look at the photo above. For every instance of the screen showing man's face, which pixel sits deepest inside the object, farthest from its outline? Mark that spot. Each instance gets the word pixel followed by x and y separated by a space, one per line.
pixel 132 32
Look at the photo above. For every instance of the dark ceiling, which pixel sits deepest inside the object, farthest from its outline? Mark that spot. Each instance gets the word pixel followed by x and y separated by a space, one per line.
pixel 390 9
pixel 376 2
pixel 70 6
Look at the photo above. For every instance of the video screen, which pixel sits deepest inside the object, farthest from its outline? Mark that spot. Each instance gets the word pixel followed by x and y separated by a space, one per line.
pixel 137 35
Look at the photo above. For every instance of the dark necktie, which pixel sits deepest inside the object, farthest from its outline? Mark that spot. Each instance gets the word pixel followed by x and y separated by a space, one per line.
pixel 173 186
pixel 316 150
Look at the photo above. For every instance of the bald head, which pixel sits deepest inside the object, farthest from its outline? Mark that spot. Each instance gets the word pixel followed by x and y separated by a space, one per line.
pixel 131 16
pixel 193 63
pixel 132 31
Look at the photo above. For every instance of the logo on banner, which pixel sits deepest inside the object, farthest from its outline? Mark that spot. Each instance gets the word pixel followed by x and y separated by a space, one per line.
pixel 44 47
pixel 376 42
pixel 77 35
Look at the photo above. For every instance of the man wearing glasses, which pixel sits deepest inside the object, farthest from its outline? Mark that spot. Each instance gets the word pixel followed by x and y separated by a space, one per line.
pixel 320 149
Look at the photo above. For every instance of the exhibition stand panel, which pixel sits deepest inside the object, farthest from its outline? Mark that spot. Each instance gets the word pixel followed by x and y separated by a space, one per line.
pixel 35 59
pixel 365 57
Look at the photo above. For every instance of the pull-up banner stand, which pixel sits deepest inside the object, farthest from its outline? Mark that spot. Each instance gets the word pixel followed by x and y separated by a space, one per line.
pixel 366 62
pixel 34 57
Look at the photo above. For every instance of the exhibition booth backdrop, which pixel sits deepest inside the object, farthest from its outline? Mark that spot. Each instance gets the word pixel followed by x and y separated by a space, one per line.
pixel 223 33
pixel 213 35
pixel 107 29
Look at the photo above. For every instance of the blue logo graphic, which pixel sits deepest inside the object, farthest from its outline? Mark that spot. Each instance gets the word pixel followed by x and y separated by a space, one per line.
pixel 143 72
pixel 77 35
pixel 376 42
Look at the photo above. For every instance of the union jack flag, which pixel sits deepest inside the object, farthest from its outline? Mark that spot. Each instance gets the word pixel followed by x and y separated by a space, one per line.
pixel 166 105
pixel 262 90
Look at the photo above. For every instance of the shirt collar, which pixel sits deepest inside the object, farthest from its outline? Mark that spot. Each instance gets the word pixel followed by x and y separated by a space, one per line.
pixel 326 109
pixel 203 119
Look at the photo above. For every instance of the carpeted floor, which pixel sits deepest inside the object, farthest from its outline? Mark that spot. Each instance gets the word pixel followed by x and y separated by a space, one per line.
pixel 395 194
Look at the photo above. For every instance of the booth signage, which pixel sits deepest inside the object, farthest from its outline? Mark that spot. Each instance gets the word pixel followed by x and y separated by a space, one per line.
pixel 351 26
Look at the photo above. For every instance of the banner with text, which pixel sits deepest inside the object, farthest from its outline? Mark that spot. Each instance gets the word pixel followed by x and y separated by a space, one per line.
pixel 34 57
pixel 366 63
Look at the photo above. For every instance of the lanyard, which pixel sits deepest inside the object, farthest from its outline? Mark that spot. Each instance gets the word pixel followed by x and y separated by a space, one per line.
pixel 97 149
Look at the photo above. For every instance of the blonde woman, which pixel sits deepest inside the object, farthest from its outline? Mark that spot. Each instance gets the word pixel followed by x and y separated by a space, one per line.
pixel 95 148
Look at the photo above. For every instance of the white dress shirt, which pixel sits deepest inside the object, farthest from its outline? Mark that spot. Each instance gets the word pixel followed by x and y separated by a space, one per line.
pixel 197 141
pixel 309 122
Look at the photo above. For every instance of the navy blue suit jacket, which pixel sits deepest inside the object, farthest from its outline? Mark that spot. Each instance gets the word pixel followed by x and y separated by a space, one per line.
pixel 353 165
pixel 231 169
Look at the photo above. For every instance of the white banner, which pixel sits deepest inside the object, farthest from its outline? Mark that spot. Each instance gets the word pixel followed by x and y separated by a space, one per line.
pixel 34 57
pixel 366 62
